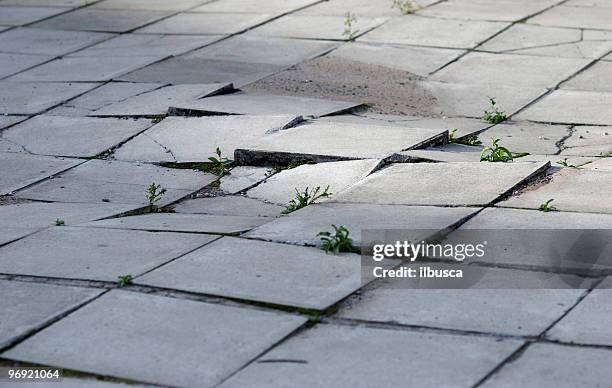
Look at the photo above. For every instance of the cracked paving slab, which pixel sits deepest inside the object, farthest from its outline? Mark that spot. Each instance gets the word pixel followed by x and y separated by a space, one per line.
pixel 36 97
pixel 229 205
pixel 26 40
pixel 243 177
pixel 588 141
pixel 208 341
pixel 448 153
pixel 576 17
pixel 527 137
pixel 14 63
pixel 596 78
pixel 571 107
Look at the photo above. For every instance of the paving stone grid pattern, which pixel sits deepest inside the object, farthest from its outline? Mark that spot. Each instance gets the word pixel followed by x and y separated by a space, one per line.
pixel 101 98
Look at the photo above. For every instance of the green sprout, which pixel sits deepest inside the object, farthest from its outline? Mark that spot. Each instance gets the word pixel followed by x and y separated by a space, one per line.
pixel 349 22
pixel 305 198
pixel 494 115
pixel 546 206
pixel 496 153
pixel 155 193
pixel 220 165
pixel 338 242
pixel 123 280
pixel 59 222
pixel 406 6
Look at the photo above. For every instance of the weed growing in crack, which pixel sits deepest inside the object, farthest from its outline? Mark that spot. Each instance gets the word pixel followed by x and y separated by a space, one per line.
pixel 59 222
pixel 406 6
pixel 337 242
pixel 350 20
pixel 155 193
pixel 564 163
pixel 547 207
pixel 494 115
pixel 469 140
pixel 496 153
pixel 305 198
pixel 123 280
pixel 220 165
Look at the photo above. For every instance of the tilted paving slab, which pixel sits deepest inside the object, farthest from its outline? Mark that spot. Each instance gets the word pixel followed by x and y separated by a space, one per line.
pixel 26 40
pixel 230 205
pixel 424 31
pixel 198 343
pixel 263 271
pixel 195 139
pixel 265 6
pixel 14 63
pixel 578 17
pixel 17 16
pixel 554 366
pixel 157 102
pixel 206 23
pixel 303 226
pixel 35 97
pixel 99 181
pixel 334 355
pixel 511 11
pixel 420 183
pixel 243 177
pixel 572 190
pixel 94 253
pixel 571 107
pixel 148 5
pixel 281 188
pixel 200 223
pixel 595 78
pixel 593 141
pixel 73 136
pixel 28 306
pixel 105 20
pixel 20 170
pixel 527 137
pixel 449 153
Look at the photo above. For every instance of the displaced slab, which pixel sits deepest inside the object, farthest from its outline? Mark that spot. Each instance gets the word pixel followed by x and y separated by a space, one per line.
pixel 448 153
pixel 209 340
pixel 35 97
pixel 335 355
pixel 510 11
pixel 527 137
pixel 242 178
pixel 27 40
pixel 578 17
pixel 15 63
pixel 73 136
pixel 117 182
pixel 180 139
pixel 199 223
pixel 16 16
pixel 595 78
pixel 206 23
pixel 571 107
pixel 589 141
pixel 94 253
pixel 29 306
pixel 230 205
pixel 267 272
pixel 464 183
pixel 281 187
pixel 303 226
pixel 106 20
pixel 20 170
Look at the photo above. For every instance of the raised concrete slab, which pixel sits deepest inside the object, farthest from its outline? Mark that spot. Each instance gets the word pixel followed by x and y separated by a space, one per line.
pixel 571 107
pixel 303 226
pixel 17 16
pixel 554 366
pixel 199 223
pixel 328 27
pixel 527 137
pixel 148 5
pixel 464 183
pixel 578 17
pixel 589 141
pixel 180 139
pixel 99 181
pixel 424 31
pixel 264 6
pixel 487 310
pixel 15 63
pixel 20 170
pixel 84 69
pixel 281 188
pixel 448 153
pixel 73 136
pixel 47 42
pixel 208 340
pixel 157 102
pixel 595 78
pixel 264 104
pixel 510 11
pixel 230 205
pixel 242 178
pixel 105 20
pixel 515 70
pixel 35 97
pixel 335 355
pixel 26 307
pixel 206 23
pixel 572 189
pixel 94 253
pixel 267 272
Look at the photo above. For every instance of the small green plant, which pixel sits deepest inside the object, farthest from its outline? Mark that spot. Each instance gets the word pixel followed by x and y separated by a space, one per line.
pixel 564 163
pixel 123 280
pixel 494 115
pixel 406 6
pixel 468 140
pixel 337 242
pixel 546 206
pixel 59 222
pixel 496 153
pixel 155 193
pixel 305 198
pixel 220 165
pixel 349 23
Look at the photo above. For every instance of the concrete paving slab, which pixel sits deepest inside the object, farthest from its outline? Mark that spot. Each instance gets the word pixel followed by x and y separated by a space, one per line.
pixel 47 42
pixel 265 6
pixel 571 107
pixel 554 366
pixel 105 20
pixel 6 121
pixel 272 273
pixel 424 31
pixel 210 341
pixel 527 137
pixel 20 170
pixel 206 23
pixel 510 11
pixel 572 189
pixel 195 223
pixel 281 188
pixel 94 253
pixel 27 307
pixel 9 234
pixel 448 153
pixel 14 63
pixel 180 139
pixel 595 78
pixel 71 382
pixel 230 205
pixel 36 97
pixel 17 16
pixel 602 164
pixel 148 5
pixel 331 354
pixel 84 69
pixel 464 183
pixel 303 226
pixel 328 27
pixel 242 178
pixel 515 70
pixel 576 17
pixel 264 104
pixel 46 3
pixel 73 136
pixel 589 141
pixel 117 182
pixel 358 7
